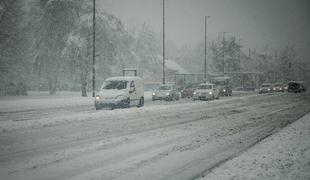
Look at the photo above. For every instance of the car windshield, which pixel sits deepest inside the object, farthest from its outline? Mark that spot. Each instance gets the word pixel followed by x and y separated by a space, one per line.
pixel 165 88
pixel 204 87
pixel 278 84
pixel 266 85
pixel 115 85
pixel 220 83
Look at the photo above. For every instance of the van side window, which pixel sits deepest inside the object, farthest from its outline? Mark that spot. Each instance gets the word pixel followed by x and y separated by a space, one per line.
pixel 132 85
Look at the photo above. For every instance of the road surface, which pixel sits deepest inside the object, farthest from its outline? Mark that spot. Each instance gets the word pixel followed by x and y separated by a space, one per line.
pixel 163 140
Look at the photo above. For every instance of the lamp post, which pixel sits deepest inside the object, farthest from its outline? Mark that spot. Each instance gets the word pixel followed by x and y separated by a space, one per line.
pixel 164 42
pixel 94 49
pixel 205 60
pixel 224 52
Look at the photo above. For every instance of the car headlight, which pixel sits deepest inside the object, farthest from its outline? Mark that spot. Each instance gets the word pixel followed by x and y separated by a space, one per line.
pixel 280 88
pixel 210 92
pixel 167 94
pixel 274 88
pixel 97 97
pixel 195 93
pixel 224 90
pixel 153 94
pixel 269 89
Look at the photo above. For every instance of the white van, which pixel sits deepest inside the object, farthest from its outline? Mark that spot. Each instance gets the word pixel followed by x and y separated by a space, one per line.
pixel 120 92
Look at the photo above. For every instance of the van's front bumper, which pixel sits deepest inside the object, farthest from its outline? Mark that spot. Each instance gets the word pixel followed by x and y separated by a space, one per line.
pixel 110 103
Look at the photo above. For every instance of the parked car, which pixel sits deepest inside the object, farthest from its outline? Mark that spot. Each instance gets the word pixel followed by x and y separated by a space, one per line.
pixel 206 91
pixel 266 88
pixel 166 92
pixel 124 91
pixel 296 86
pixel 278 87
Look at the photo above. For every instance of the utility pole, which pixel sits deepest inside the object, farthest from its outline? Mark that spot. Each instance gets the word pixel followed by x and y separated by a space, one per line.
pixel 239 63
pixel 164 42
pixel 224 53
pixel 94 48
pixel 205 63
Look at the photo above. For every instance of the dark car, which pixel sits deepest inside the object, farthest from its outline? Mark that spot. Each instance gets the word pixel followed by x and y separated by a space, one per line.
pixel 296 86
pixel 187 92
pixel 224 85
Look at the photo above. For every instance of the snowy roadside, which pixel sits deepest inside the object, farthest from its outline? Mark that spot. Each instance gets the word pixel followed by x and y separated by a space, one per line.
pixel 284 155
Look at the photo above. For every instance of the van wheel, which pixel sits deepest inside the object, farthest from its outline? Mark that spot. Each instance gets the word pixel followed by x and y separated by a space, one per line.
pixel 141 102
pixel 128 103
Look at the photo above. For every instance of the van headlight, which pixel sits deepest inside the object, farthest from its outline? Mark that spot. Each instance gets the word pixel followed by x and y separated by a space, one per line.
pixel 210 92
pixel 154 94
pixel 97 97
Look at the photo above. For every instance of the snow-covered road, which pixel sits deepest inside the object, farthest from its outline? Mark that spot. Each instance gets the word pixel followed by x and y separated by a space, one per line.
pixel 65 138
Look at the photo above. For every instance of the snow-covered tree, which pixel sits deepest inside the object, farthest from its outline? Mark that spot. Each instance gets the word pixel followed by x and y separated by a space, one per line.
pixel 14 48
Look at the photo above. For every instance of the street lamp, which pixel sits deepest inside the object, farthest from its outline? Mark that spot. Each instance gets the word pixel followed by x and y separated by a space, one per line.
pixel 205 63
pixel 163 41
pixel 224 52
pixel 94 49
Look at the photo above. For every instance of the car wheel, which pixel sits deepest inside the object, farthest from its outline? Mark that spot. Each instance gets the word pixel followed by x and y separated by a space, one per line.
pixel 141 102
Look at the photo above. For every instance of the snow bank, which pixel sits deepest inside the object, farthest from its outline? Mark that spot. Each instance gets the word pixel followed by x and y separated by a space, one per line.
pixel 284 155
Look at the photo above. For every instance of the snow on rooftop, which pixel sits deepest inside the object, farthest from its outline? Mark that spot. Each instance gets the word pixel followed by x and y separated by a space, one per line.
pixel 123 78
pixel 171 64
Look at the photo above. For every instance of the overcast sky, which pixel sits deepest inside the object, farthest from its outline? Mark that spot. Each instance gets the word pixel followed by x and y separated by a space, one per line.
pixel 257 22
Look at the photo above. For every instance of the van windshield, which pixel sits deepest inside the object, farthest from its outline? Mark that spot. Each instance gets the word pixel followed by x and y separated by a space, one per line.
pixel 115 85
pixel 204 87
